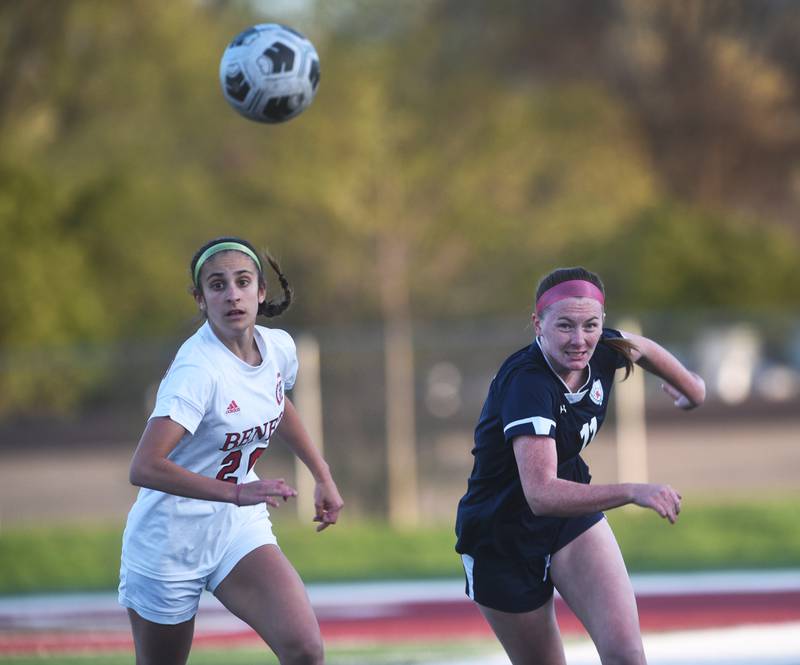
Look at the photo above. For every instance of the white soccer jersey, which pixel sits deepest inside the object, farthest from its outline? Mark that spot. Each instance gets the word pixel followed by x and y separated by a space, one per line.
pixel 229 409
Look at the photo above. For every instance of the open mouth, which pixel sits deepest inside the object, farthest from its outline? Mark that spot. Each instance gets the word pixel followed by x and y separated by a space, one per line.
pixel 235 313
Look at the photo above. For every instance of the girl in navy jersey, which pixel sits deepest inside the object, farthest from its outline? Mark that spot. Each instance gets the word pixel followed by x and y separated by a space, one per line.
pixel 530 521
pixel 200 520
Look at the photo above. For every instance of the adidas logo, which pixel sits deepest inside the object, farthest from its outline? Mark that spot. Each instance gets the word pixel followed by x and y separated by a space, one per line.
pixel 233 407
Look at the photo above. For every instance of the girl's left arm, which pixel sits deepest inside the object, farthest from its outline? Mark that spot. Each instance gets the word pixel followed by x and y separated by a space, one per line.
pixel 687 389
pixel 327 501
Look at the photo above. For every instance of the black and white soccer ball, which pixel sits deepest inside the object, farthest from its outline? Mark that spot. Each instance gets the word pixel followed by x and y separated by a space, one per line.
pixel 269 73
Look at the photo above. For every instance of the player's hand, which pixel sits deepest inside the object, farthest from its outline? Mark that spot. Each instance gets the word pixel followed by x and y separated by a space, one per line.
pixel 264 491
pixel 678 398
pixel 327 504
pixel 661 498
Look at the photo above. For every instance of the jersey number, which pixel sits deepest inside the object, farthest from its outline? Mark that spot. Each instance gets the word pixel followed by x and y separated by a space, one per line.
pixel 588 431
pixel 230 465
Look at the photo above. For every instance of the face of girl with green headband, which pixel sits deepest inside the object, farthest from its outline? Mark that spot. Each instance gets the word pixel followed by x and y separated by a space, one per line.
pixel 228 291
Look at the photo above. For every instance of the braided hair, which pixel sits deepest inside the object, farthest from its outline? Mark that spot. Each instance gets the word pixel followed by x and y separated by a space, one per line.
pixel 268 308
pixel 622 346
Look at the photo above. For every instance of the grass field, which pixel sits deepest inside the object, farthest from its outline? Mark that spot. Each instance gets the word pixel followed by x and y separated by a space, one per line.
pixel 709 535
pixel 385 654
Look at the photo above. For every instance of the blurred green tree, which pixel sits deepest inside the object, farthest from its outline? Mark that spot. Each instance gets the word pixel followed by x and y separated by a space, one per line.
pixel 455 152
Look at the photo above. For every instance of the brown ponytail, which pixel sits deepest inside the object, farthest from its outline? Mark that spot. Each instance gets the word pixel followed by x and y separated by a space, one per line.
pixel 623 347
pixel 271 307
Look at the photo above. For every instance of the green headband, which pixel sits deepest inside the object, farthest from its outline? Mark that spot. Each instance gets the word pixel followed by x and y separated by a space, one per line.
pixel 223 247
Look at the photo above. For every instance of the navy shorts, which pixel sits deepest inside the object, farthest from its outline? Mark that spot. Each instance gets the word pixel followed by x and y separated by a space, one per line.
pixel 518 585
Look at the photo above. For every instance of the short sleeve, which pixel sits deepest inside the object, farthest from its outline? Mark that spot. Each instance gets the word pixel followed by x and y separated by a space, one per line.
pixel 184 395
pixel 285 355
pixel 618 360
pixel 528 407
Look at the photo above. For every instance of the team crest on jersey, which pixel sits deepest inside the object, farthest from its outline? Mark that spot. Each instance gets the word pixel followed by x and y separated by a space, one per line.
pixel 279 389
pixel 596 393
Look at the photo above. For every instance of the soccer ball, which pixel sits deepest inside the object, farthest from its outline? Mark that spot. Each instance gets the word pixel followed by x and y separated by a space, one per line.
pixel 269 73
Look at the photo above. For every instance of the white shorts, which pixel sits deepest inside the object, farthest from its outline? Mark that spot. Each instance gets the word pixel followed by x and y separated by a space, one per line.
pixel 176 601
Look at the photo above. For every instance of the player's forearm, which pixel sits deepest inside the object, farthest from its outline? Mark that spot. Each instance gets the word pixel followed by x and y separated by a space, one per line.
pixel 563 498
pixel 657 360
pixel 308 454
pixel 166 476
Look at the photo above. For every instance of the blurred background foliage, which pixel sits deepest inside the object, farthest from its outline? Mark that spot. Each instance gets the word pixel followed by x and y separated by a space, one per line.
pixel 456 151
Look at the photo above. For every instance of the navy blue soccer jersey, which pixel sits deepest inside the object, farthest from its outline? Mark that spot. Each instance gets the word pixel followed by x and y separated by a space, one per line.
pixel 526 397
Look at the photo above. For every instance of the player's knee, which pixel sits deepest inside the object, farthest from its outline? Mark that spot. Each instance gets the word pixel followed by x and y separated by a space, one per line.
pixel 623 653
pixel 307 651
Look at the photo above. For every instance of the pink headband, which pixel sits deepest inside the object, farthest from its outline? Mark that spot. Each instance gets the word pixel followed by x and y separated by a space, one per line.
pixel 574 288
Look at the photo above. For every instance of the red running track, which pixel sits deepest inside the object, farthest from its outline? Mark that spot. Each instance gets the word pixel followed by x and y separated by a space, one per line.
pixel 429 620
pixel 456 619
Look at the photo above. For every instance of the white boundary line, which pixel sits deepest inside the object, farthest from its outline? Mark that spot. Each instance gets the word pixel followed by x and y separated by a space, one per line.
pixel 743 645
pixel 373 597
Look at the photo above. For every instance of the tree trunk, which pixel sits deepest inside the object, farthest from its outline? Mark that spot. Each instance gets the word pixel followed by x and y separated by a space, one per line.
pixel 403 497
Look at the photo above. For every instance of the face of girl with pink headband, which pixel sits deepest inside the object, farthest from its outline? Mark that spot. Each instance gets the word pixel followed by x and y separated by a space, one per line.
pixel 569 322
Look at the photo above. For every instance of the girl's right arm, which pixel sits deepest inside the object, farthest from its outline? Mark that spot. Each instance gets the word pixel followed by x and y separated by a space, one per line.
pixel 547 494
pixel 150 468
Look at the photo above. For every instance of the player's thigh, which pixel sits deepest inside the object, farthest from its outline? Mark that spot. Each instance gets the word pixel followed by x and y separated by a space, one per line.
pixel 161 644
pixel 162 615
pixel 529 638
pixel 515 597
pixel 264 590
pixel 591 577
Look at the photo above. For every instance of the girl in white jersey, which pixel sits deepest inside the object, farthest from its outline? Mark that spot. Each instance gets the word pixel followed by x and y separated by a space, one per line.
pixel 200 520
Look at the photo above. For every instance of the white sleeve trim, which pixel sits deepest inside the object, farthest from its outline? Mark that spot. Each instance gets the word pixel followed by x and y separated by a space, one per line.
pixel 540 425
pixel 179 410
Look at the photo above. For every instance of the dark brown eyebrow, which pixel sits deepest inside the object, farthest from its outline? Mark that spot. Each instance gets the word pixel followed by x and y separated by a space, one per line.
pixel 221 274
